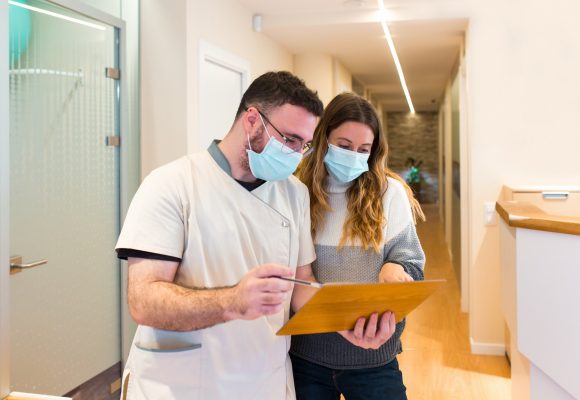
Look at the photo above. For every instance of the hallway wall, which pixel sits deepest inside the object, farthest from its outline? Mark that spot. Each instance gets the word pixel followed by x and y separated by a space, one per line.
pixel 170 67
pixel 316 70
pixel 163 78
pixel 415 135
pixel 523 84
pixel 324 74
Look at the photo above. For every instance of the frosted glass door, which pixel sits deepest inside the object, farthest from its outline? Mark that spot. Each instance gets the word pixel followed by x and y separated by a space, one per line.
pixel 64 198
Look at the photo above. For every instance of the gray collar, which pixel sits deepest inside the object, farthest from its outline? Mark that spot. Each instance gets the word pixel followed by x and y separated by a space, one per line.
pixel 219 157
pixel 222 161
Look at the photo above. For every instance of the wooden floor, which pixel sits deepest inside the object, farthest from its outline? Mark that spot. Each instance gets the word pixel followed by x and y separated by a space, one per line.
pixel 436 361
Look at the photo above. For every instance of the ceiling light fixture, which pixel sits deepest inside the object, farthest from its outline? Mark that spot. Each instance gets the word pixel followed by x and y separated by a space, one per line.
pixel 57 15
pixel 394 54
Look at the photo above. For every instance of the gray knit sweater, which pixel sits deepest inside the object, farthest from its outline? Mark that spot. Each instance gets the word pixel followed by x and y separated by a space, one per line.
pixel 354 264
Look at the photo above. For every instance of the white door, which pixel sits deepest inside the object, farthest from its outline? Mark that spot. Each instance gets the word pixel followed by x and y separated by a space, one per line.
pixel 223 79
pixel 63 199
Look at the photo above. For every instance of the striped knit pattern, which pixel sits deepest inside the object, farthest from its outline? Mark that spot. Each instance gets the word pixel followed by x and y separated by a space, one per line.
pixel 354 264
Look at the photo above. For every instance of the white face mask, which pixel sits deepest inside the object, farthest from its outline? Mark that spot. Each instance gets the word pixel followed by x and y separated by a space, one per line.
pixel 276 162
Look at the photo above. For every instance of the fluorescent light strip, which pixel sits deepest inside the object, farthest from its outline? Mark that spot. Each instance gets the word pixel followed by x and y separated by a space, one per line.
pixel 56 15
pixel 394 54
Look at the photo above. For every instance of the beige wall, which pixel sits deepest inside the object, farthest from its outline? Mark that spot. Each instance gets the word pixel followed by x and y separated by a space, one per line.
pixel 323 73
pixel 523 84
pixel 227 25
pixel 317 70
pixel 163 78
pixel 342 78
pixel 170 67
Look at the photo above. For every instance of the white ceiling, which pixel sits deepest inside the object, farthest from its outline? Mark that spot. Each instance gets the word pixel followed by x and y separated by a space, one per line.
pixel 427 42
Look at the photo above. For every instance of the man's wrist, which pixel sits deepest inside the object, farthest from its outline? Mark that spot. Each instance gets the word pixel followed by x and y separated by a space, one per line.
pixel 231 304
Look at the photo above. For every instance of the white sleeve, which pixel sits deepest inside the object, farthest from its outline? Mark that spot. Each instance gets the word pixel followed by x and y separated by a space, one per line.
pixel 397 209
pixel 155 220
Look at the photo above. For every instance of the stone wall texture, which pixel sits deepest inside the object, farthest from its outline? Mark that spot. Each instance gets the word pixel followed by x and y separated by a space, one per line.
pixel 416 136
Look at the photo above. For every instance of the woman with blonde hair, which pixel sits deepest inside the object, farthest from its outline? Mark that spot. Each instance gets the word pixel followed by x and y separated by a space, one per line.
pixel 363 226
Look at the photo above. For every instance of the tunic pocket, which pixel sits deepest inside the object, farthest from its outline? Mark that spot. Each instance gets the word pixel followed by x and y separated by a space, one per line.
pixel 165 374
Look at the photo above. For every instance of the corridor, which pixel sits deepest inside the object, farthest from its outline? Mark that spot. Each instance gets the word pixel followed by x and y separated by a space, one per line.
pixel 436 361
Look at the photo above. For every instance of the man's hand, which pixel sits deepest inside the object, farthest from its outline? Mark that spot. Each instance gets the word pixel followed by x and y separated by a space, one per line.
pixel 393 273
pixel 370 337
pixel 259 293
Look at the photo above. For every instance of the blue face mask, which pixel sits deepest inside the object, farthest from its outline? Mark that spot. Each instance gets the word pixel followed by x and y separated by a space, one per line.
pixel 276 162
pixel 345 165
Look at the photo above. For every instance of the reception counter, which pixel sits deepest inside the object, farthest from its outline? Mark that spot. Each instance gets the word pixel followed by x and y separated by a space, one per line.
pixel 541 300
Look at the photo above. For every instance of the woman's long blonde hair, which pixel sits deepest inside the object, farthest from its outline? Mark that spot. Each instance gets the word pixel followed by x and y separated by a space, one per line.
pixel 365 215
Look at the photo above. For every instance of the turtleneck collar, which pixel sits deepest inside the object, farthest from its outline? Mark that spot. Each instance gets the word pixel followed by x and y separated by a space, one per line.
pixel 333 185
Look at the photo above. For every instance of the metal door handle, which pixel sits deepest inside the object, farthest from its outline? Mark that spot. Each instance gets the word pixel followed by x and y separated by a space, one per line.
pixel 555 195
pixel 16 264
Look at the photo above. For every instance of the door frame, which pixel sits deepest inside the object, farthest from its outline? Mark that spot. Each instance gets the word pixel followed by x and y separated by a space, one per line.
pixel 126 170
pixel 209 53
pixel 465 157
pixel 4 200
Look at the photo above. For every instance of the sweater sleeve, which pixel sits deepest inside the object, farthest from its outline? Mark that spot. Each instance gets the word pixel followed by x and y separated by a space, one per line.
pixel 402 245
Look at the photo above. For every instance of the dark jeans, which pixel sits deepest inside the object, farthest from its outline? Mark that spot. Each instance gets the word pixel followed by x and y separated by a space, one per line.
pixel 315 382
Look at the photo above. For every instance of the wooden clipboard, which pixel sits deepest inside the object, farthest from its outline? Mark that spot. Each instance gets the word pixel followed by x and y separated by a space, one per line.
pixel 337 306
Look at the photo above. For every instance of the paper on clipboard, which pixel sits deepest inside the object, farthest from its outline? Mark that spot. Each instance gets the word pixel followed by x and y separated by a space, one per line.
pixel 336 307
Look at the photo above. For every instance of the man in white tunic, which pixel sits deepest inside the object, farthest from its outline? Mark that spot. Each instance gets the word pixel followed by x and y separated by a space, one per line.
pixel 205 237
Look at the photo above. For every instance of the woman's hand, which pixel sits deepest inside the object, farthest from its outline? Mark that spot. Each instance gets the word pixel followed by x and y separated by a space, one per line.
pixel 393 273
pixel 302 294
pixel 375 334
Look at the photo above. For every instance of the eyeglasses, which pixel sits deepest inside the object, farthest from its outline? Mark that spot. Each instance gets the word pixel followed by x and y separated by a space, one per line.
pixel 293 143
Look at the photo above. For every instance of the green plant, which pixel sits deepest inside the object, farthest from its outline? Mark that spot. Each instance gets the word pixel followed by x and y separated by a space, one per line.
pixel 414 174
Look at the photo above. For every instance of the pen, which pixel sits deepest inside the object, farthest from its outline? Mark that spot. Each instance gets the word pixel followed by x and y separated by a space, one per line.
pixel 301 282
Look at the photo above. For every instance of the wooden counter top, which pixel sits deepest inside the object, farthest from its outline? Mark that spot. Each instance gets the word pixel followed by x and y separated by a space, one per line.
pixel 525 215
pixel 26 396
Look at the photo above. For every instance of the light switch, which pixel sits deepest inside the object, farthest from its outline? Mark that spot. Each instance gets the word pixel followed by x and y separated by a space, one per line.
pixel 489 214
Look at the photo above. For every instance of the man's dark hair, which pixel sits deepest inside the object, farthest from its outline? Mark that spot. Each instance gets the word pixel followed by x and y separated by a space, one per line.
pixel 274 89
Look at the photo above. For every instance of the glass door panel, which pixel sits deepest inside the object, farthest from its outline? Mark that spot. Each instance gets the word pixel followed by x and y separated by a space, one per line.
pixel 64 198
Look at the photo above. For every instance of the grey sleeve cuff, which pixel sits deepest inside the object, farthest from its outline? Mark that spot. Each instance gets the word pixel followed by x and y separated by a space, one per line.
pixel 405 250
pixel 410 268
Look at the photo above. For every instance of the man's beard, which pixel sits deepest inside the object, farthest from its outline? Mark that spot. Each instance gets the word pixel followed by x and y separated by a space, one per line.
pixel 257 144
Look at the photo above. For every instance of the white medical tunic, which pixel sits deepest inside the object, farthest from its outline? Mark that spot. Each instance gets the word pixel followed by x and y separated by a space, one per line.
pixel 192 209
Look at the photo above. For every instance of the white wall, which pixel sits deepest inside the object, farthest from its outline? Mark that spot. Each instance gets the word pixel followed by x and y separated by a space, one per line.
pixel 524 126
pixel 112 7
pixel 171 32
pixel 130 149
